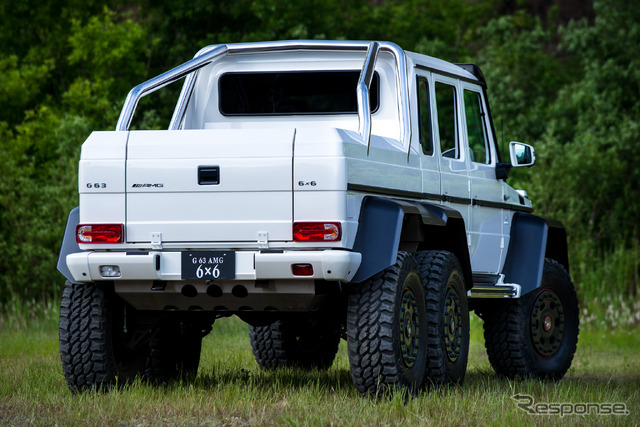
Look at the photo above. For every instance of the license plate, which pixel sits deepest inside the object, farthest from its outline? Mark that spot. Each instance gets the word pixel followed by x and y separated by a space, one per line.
pixel 208 265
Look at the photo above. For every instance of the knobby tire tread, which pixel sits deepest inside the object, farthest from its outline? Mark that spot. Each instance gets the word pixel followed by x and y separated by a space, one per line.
pixel 85 342
pixel 434 266
pixel 172 355
pixel 506 333
pixel 276 345
pixel 370 318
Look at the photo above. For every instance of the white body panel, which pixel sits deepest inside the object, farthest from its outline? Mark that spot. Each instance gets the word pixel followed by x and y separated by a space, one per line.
pixel 254 193
pixel 487 232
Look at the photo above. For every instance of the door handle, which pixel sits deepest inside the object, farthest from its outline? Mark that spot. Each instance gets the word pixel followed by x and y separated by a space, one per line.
pixel 208 175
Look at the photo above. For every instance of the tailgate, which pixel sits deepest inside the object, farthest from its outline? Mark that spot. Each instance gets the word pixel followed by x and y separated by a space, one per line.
pixel 209 185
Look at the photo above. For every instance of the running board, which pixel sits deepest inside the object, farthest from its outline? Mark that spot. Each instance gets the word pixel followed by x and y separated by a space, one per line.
pixel 493 286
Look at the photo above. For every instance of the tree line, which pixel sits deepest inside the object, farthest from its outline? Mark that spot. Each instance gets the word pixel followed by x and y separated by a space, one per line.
pixel 562 76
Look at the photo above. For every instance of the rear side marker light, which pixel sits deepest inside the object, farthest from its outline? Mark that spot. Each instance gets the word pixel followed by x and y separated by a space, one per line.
pixel 317 231
pixel 100 233
pixel 302 269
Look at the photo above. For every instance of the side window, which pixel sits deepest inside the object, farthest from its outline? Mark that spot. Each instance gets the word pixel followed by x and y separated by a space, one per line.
pixel 447 120
pixel 426 138
pixel 476 130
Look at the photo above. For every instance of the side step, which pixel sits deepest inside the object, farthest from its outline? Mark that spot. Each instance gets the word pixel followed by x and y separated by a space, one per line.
pixel 493 286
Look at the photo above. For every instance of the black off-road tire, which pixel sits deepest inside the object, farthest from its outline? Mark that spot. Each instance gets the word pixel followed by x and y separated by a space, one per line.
pixel 174 353
pixel 98 350
pixel 85 338
pixel 304 342
pixel 386 329
pixel 535 336
pixel 447 317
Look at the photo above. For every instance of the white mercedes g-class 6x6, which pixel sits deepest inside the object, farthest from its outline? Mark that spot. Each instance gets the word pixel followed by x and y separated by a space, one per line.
pixel 317 190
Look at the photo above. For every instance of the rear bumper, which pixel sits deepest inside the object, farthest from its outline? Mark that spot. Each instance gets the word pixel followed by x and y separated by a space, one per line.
pixel 331 265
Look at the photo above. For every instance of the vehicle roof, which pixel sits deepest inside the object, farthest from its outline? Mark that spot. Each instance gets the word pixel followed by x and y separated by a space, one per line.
pixel 426 61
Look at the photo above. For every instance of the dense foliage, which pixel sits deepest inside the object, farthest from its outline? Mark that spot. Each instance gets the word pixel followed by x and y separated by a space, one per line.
pixel 563 78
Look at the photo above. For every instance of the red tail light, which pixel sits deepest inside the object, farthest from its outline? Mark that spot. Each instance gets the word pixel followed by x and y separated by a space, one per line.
pixel 317 231
pixel 100 233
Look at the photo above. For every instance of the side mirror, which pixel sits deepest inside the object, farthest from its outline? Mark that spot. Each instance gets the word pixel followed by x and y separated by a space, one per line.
pixel 521 154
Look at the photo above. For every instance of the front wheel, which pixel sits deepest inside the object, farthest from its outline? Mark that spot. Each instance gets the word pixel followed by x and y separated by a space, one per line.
pixel 174 353
pixel 305 342
pixel 535 336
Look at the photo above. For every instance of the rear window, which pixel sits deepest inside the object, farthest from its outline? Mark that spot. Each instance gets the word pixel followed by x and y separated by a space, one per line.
pixel 288 93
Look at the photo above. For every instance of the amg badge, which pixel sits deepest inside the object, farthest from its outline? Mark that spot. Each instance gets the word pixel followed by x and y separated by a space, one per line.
pixel 147 186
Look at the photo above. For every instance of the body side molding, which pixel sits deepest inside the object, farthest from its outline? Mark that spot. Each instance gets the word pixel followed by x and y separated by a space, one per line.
pixel 392 192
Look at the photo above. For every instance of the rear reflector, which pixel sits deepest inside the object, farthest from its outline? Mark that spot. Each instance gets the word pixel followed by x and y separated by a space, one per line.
pixel 302 269
pixel 317 231
pixel 100 233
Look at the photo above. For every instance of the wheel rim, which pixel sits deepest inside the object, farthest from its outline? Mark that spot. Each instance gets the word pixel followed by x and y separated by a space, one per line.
pixel 409 328
pixel 547 323
pixel 452 324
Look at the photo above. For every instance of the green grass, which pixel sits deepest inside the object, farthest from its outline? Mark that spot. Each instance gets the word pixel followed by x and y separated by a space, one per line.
pixel 231 390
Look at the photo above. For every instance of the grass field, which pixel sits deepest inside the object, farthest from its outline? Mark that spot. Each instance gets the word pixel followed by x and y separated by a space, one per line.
pixel 230 389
